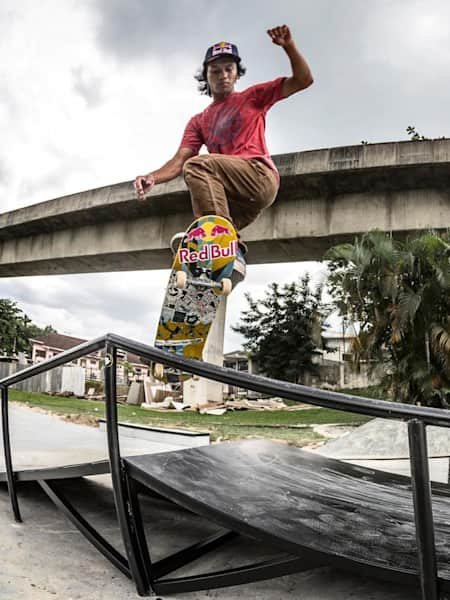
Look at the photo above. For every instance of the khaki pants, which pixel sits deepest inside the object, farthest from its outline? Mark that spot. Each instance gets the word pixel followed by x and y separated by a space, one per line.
pixel 231 187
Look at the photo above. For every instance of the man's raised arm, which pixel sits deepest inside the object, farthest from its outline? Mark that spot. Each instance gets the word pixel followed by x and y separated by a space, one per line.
pixel 301 77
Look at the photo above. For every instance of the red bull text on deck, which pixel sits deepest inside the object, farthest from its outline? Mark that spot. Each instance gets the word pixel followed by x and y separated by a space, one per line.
pixel 209 252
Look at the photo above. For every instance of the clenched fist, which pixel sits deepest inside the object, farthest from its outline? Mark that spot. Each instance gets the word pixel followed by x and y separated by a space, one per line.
pixel 281 35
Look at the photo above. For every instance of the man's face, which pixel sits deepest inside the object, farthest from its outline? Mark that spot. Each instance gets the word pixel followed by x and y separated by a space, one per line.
pixel 222 74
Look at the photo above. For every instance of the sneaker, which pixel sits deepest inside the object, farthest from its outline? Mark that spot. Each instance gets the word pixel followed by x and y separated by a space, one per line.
pixel 239 267
pixel 176 241
pixel 242 247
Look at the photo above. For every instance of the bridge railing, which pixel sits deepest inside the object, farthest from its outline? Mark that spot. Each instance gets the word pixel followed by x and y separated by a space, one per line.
pixel 417 418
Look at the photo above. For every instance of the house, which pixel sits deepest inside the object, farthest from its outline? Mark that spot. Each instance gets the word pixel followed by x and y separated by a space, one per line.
pixel 47 346
pixel 335 367
pixel 339 344
pixel 239 361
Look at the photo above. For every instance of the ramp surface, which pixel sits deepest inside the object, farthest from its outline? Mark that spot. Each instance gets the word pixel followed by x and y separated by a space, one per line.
pixel 301 502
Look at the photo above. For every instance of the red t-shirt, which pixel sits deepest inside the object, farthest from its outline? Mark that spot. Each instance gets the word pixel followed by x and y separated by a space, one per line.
pixel 236 125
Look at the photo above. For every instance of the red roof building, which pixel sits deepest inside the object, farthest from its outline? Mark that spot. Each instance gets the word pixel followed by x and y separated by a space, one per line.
pixel 47 346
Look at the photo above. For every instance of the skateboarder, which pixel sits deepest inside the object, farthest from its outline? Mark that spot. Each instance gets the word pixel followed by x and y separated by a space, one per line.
pixel 238 178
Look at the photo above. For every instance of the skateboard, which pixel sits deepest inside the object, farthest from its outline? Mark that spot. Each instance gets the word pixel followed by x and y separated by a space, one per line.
pixel 200 276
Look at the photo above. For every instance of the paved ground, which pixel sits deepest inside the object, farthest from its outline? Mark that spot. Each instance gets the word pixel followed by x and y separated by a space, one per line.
pixel 43 440
pixel 45 557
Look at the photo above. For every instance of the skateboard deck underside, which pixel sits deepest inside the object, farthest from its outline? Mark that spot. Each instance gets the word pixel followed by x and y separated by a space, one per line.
pixel 206 254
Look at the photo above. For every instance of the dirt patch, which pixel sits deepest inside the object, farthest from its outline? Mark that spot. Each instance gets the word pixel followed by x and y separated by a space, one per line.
pixel 78 419
pixel 88 420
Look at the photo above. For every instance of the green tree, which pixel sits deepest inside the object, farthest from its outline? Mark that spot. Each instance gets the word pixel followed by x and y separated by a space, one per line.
pixel 12 328
pixel 16 328
pixel 283 330
pixel 399 293
pixel 33 331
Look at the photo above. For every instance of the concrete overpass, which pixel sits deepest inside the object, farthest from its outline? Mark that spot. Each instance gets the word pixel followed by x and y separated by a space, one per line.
pixel 326 197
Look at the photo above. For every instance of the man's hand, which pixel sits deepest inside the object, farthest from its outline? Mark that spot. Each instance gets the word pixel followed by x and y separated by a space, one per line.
pixel 281 35
pixel 143 184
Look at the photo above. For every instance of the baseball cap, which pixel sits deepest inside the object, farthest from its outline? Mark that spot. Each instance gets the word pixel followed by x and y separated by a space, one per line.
pixel 221 49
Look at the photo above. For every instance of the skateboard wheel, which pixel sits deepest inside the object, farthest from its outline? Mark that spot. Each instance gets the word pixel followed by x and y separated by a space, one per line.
pixel 158 371
pixel 181 280
pixel 227 286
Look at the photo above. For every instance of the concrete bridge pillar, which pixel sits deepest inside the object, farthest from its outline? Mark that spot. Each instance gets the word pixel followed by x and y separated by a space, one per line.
pixel 198 391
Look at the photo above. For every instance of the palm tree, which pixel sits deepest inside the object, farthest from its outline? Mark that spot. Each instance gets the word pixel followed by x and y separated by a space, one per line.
pixel 399 293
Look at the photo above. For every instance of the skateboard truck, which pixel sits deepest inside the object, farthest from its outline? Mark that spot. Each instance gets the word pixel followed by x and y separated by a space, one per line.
pixel 225 285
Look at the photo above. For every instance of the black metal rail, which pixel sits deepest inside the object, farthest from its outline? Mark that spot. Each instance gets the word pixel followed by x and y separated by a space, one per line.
pixel 264 385
pixel 291 391
pixel 10 476
pixel 417 417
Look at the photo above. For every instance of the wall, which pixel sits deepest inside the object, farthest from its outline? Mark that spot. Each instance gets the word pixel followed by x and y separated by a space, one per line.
pixel 55 381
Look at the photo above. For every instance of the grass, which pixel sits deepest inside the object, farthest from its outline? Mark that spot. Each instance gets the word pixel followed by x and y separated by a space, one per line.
pixel 292 426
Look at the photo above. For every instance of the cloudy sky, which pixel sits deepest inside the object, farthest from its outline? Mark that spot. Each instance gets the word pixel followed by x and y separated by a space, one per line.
pixel 94 92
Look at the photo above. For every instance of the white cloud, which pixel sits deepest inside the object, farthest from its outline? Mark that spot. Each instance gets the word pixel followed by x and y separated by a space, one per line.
pixel 129 304
pixel 73 118
pixel 88 306
pixel 414 39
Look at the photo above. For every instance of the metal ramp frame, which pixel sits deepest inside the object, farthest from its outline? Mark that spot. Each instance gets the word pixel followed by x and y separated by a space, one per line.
pixel 310 485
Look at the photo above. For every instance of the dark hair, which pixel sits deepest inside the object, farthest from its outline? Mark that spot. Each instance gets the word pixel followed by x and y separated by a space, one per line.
pixel 200 76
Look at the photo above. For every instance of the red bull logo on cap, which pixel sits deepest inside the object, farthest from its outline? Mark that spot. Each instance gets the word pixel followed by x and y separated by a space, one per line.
pixel 222 48
pixel 209 252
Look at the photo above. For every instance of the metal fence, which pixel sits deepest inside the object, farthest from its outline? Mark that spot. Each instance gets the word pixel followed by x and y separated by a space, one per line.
pixel 54 381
